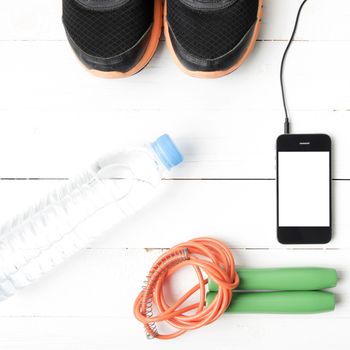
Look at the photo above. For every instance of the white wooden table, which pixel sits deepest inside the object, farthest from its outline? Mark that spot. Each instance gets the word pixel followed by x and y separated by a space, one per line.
pixel 56 119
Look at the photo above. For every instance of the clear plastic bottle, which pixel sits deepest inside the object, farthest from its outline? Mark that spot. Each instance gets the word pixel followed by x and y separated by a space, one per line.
pixel 114 187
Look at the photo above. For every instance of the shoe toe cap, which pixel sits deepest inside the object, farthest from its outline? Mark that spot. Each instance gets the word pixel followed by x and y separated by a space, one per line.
pixel 121 62
pixel 212 38
pixel 223 62
pixel 110 38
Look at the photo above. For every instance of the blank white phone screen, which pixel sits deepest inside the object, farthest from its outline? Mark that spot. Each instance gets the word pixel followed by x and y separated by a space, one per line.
pixel 304 189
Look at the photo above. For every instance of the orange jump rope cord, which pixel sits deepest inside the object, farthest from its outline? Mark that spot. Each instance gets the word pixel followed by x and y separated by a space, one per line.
pixel 205 255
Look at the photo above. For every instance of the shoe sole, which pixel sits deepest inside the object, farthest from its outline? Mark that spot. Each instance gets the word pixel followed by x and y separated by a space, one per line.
pixel 220 73
pixel 149 53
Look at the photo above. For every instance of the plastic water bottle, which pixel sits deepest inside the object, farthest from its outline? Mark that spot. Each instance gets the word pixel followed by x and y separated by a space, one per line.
pixel 67 220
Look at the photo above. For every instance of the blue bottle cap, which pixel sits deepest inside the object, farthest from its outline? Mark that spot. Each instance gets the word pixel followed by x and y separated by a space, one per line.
pixel 167 152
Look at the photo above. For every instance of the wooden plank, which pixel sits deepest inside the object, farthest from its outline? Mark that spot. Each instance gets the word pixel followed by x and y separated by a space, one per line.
pixel 103 283
pixel 88 303
pixel 25 21
pixel 242 213
pixel 221 144
pixel 244 332
pixel 69 119
pixel 244 90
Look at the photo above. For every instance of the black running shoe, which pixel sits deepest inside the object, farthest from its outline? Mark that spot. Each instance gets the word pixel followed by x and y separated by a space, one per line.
pixel 211 38
pixel 113 38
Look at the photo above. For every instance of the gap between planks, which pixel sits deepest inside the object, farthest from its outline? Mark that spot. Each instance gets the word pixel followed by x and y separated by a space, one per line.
pixel 164 179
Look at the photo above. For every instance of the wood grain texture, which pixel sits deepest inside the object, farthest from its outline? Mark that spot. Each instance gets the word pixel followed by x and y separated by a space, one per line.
pixel 88 303
pixel 24 20
pixel 56 119
pixel 68 119
pixel 242 213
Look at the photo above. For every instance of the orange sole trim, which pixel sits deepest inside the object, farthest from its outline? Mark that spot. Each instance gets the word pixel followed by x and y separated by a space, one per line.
pixel 216 74
pixel 150 51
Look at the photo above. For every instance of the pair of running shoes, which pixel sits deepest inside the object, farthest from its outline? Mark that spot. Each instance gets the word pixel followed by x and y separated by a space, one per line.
pixel 206 38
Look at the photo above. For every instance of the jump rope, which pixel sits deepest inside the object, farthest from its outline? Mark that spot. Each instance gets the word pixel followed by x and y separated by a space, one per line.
pixel 277 290
pixel 285 290
pixel 220 266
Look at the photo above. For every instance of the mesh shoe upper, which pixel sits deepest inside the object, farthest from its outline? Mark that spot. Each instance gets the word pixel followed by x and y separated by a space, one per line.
pixel 107 31
pixel 212 29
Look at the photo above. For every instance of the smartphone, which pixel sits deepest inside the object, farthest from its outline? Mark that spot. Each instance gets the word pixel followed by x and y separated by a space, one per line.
pixel 304 189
